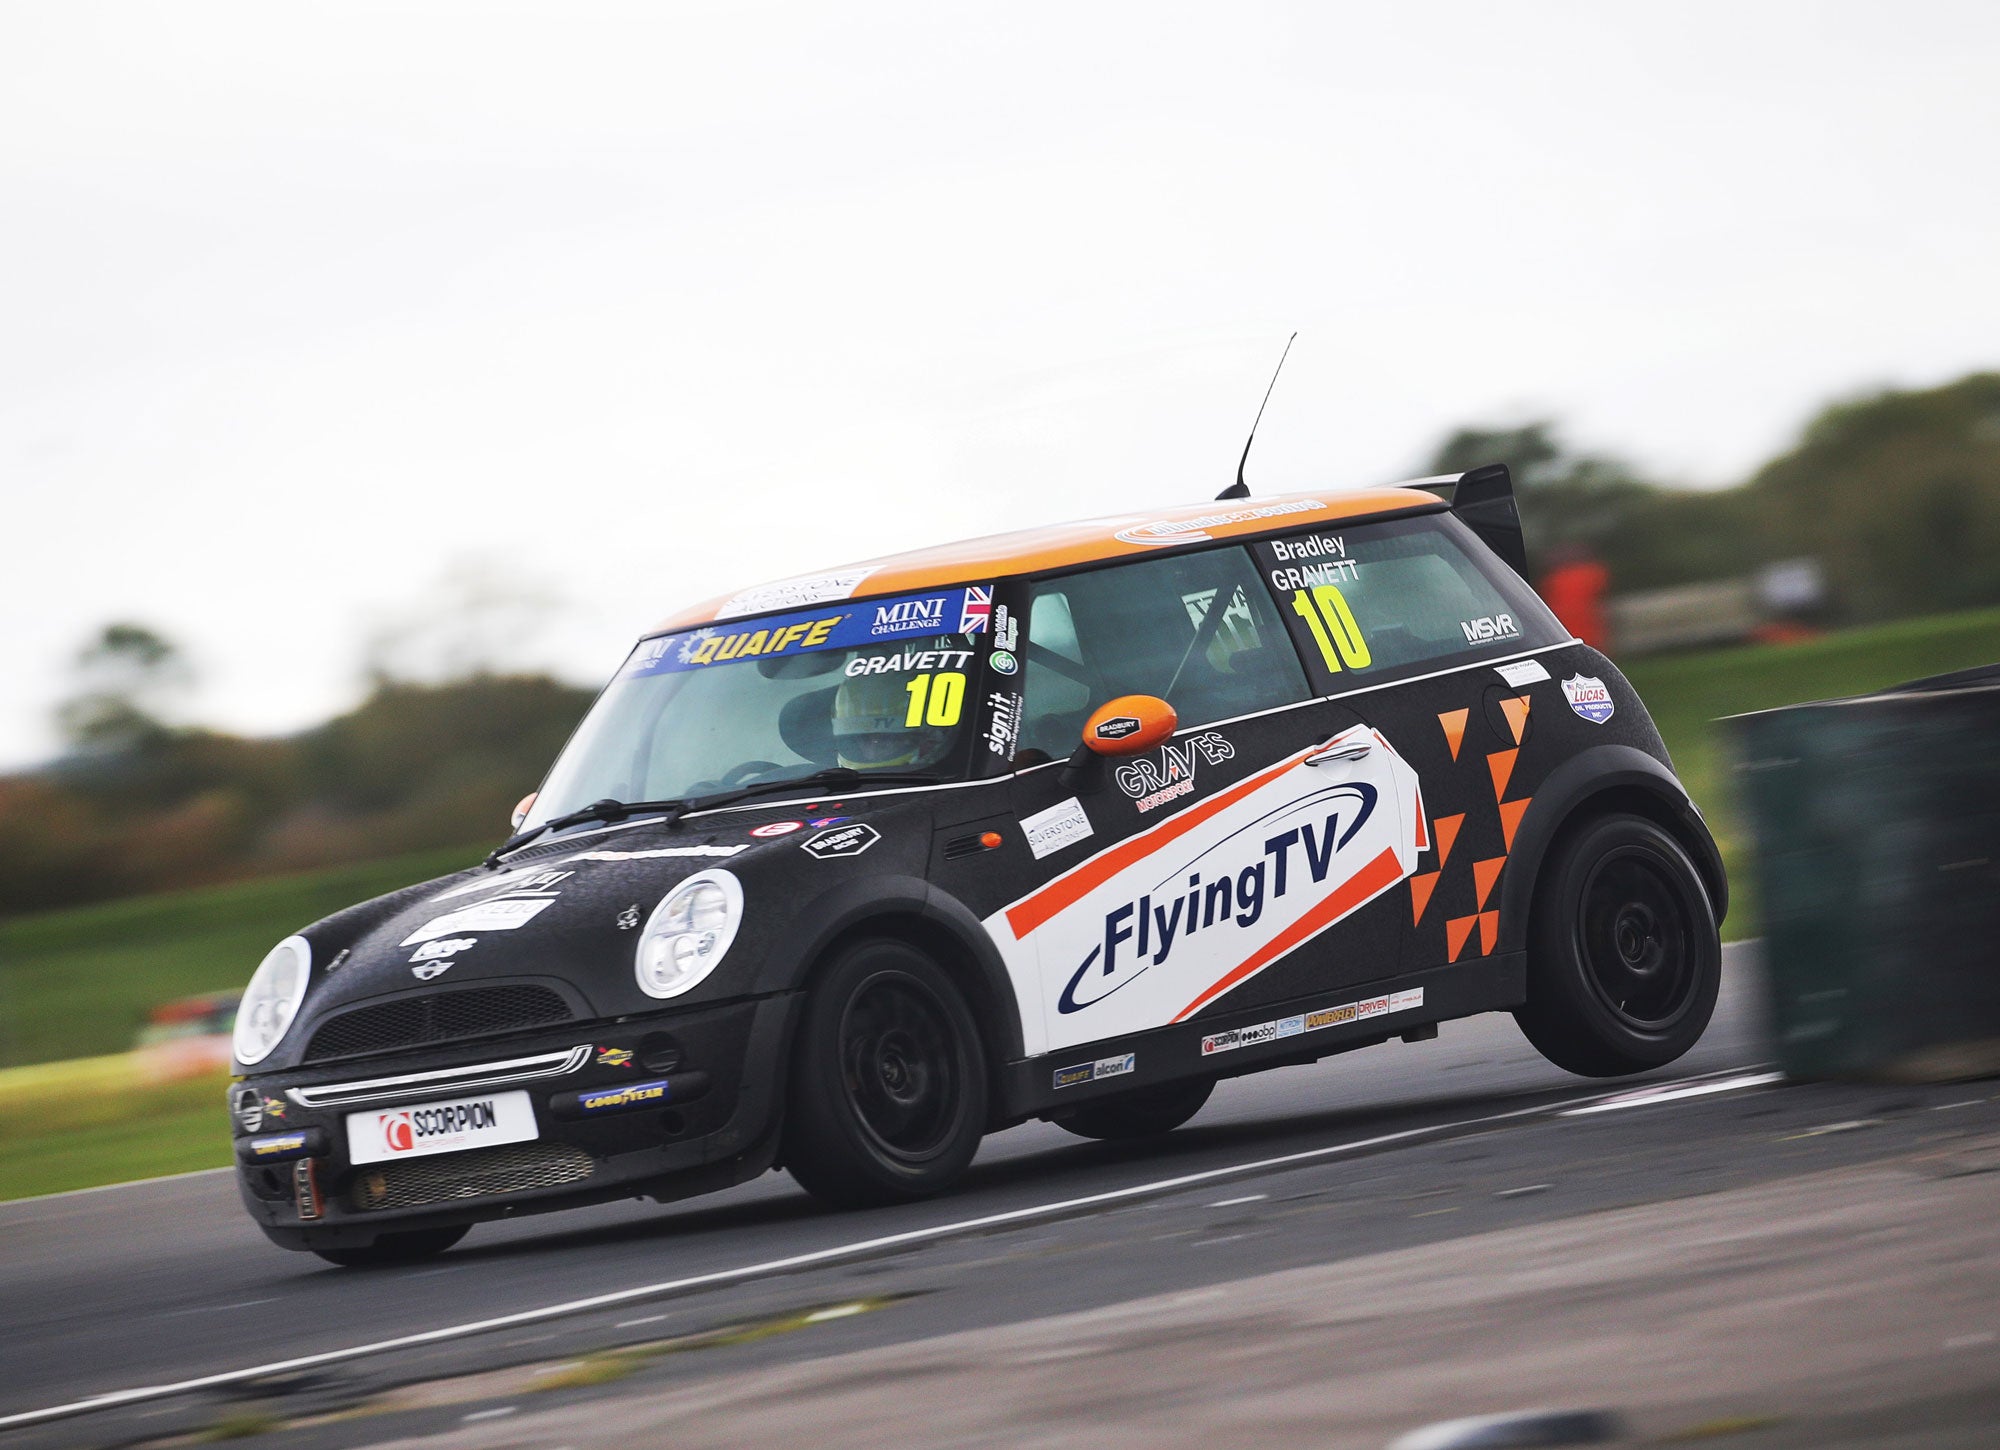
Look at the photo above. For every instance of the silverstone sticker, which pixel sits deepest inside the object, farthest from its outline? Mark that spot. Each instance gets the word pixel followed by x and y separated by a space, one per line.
pixel 938 612
pixel 1522 672
pixel 1104 1067
pixel 377 1136
pixel 1194 531
pixel 1155 782
pixel 503 915
pixel 1150 930
pixel 1589 698
pixel 1062 824
pixel 1313 1021
pixel 791 593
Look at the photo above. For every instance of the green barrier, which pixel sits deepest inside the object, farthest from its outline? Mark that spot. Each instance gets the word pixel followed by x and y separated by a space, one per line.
pixel 1877 834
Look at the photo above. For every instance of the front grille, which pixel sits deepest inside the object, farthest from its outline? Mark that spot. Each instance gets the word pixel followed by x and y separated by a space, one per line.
pixel 475 1174
pixel 436 1017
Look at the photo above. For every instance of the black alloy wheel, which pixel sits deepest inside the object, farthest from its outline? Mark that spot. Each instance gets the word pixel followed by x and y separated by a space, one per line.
pixel 1624 954
pixel 887 1098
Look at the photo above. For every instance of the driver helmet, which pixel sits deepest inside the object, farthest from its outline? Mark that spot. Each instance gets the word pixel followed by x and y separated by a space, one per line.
pixel 870 730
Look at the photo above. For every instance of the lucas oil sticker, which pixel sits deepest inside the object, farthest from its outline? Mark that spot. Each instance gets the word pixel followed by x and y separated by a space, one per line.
pixel 1589 698
pixel 1151 930
pixel 844 626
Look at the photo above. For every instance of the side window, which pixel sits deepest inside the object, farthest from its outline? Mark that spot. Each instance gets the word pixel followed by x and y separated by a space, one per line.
pixel 1198 630
pixel 1383 599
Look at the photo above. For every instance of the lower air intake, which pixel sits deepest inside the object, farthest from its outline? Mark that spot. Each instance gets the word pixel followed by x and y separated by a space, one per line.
pixel 475 1174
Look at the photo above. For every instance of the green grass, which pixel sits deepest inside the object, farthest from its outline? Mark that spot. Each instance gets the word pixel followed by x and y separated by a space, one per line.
pixel 1687 693
pixel 79 983
pixel 96 1120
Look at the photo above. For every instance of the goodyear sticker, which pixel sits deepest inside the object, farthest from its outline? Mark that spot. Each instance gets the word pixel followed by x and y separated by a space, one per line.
pixel 611 1100
pixel 846 626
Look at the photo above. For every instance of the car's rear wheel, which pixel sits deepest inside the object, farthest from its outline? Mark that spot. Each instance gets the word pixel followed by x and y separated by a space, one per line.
pixel 887 1097
pixel 1624 955
pixel 408 1247
pixel 1141 1114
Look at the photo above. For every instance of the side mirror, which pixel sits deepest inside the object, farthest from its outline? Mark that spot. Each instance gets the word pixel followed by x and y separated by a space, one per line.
pixel 526 804
pixel 1128 725
pixel 1125 726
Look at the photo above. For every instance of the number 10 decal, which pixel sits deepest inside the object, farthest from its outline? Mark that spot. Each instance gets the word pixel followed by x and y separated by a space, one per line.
pixel 1333 628
pixel 935 700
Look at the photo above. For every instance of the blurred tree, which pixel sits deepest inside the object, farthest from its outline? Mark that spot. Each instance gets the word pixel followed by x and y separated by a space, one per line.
pixel 123 676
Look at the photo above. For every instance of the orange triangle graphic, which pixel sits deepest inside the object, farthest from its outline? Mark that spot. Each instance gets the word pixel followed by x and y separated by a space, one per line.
pixel 1501 763
pixel 1447 832
pixel 1454 728
pixel 1420 893
pixel 1455 932
pixel 1516 711
pixel 1484 874
pixel 1489 932
pixel 1510 819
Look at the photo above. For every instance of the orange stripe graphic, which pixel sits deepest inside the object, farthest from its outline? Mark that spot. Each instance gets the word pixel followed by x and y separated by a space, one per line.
pixel 1065 891
pixel 1510 818
pixel 1447 832
pixel 1484 874
pixel 1377 876
pixel 1454 728
pixel 1421 888
pixel 1516 711
pixel 1489 932
pixel 1501 763
pixel 1456 930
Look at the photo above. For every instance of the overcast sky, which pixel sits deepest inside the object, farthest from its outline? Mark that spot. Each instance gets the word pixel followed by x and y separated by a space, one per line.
pixel 314 318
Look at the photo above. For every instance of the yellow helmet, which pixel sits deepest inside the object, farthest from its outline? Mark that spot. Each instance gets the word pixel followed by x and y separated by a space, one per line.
pixel 869 729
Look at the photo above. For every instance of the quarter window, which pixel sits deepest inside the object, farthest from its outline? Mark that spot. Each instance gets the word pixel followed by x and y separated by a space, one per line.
pixel 1198 630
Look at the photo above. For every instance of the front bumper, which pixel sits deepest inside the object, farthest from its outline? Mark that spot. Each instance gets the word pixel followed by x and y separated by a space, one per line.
pixel 662 1106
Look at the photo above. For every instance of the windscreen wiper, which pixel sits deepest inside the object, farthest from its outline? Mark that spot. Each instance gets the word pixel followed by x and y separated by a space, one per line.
pixel 604 810
pixel 833 775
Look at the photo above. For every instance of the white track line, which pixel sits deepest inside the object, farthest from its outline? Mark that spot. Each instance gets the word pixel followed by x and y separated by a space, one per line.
pixel 858 1249
pixel 1674 1092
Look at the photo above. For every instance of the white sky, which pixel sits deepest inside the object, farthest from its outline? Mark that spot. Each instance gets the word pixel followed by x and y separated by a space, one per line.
pixel 305 310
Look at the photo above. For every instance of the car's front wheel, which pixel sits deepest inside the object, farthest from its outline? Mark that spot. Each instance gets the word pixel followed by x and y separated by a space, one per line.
pixel 409 1247
pixel 887 1097
pixel 1624 955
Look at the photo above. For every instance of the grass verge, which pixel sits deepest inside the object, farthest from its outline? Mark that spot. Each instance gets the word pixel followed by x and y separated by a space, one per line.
pixel 97 1120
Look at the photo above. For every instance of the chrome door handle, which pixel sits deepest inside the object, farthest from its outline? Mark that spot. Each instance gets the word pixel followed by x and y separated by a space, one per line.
pixel 1346 752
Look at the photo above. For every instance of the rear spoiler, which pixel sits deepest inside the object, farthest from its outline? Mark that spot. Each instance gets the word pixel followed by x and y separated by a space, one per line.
pixel 1483 500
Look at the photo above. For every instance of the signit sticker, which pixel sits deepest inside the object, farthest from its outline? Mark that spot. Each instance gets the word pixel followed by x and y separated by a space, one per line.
pixel 1062 824
pixel 1104 1067
pixel 1589 698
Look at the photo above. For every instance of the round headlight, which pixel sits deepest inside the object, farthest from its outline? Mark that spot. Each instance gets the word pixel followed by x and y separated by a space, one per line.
pixel 687 933
pixel 272 999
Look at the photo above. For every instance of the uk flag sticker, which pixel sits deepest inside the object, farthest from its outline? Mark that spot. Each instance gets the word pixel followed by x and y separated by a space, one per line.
pixel 1588 697
pixel 977 611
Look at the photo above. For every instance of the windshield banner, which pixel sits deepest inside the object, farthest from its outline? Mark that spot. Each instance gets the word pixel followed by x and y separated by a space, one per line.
pixel 870 621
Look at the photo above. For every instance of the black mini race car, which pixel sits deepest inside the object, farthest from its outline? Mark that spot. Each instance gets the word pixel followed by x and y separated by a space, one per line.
pixel 841 873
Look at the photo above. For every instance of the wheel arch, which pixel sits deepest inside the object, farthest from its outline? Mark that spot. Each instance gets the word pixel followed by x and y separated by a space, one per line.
pixel 907 909
pixel 1599 781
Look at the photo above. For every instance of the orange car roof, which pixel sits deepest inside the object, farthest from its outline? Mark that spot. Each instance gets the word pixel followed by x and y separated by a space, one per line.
pixel 1057 546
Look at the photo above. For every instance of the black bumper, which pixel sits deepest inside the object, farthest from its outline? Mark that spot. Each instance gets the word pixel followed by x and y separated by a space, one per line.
pixel 703 1116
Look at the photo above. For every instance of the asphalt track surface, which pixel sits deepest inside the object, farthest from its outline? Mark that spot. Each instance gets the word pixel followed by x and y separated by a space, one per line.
pixel 167 1281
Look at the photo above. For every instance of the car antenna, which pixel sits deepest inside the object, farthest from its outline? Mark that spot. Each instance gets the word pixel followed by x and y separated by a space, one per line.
pixel 1240 489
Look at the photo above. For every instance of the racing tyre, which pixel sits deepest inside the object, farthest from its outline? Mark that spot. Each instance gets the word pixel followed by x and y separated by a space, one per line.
pixel 887 1097
pixel 1142 1114
pixel 1624 956
pixel 402 1248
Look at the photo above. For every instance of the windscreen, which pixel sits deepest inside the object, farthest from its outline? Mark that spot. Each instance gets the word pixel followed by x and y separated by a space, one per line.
pixel 873 685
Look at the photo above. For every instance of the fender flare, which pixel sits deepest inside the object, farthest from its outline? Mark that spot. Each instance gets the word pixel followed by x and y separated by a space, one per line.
pixel 897 902
pixel 1619 771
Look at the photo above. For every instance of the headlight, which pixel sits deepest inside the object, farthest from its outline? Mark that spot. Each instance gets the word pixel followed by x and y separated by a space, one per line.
pixel 272 999
pixel 687 933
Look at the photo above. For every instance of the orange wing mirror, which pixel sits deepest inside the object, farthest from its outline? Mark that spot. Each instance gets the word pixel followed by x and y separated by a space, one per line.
pixel 527 803
pixel 1128 725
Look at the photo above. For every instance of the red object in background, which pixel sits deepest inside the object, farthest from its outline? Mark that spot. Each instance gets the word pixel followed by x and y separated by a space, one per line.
pixel 1575 589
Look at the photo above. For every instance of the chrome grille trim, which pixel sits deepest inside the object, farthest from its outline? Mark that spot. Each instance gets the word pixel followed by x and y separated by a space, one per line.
pixel 476 1075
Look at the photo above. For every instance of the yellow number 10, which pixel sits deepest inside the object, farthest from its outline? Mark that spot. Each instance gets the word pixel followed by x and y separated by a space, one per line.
pixel 935 700
pixel 1333 628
